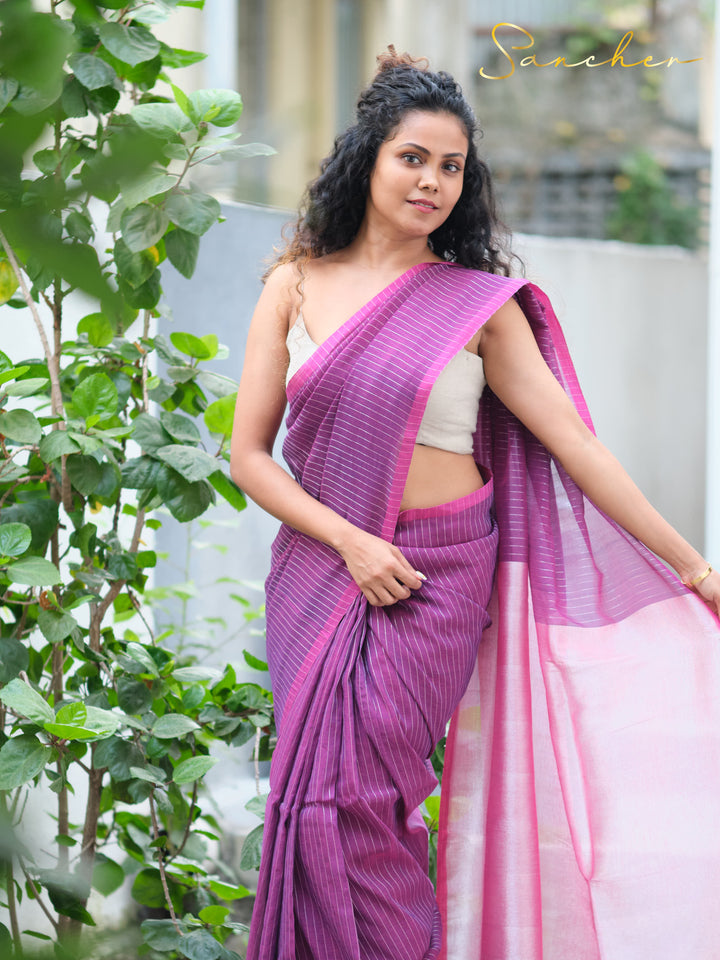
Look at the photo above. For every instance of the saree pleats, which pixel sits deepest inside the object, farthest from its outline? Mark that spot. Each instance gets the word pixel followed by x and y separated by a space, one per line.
pixel 343 827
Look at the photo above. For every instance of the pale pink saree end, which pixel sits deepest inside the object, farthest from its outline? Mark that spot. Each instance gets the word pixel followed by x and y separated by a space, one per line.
pixel 581 792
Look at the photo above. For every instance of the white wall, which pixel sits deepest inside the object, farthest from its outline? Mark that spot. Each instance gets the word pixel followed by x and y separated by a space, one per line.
pixel 635 318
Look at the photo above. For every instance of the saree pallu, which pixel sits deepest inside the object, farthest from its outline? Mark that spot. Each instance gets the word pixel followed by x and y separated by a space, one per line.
pixel 581 790
pixel 362 694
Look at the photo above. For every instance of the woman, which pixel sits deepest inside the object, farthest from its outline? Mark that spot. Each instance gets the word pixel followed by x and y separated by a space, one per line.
pixel 415 514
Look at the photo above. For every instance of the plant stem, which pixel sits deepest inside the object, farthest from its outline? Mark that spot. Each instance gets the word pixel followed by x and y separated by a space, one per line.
pixel 36 894
pixel 55 394
pixel 161 864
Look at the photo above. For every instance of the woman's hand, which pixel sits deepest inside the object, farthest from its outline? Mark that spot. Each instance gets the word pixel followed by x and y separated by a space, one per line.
pixel 379 569
pixel 709 591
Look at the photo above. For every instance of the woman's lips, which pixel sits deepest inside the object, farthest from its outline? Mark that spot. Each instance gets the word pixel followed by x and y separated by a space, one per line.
pixel 425 205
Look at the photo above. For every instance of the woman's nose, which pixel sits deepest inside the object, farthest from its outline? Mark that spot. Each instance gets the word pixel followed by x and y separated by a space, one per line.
pixel 428 180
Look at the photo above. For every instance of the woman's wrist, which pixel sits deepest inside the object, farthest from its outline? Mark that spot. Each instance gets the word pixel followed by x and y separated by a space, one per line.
pixel 695 581
pixel 342 536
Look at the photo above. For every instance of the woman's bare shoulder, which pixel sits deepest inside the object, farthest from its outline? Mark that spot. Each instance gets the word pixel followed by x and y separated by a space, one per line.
pixel 280 296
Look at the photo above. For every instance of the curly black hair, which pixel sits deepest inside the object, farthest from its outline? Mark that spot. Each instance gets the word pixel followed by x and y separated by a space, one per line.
pixel 334 203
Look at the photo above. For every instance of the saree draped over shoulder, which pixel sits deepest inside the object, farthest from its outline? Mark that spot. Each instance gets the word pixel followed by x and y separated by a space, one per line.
pixel 580 794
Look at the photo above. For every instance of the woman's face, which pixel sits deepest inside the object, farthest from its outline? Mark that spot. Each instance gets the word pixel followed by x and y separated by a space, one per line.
pixel 418 175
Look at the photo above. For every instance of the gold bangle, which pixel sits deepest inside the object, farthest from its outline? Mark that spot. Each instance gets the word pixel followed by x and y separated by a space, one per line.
pixel 699 579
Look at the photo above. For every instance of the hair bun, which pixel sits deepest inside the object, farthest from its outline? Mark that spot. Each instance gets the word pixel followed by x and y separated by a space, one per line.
pixel 393 59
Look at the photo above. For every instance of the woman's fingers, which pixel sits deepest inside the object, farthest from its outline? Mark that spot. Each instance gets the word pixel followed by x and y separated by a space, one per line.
pixel 380 570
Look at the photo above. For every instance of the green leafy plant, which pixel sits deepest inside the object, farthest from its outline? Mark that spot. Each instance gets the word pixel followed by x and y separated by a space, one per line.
pixel 97 432
pixel 646 210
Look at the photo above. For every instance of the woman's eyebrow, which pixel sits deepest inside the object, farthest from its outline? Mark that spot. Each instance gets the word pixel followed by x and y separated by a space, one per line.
pixel 426 151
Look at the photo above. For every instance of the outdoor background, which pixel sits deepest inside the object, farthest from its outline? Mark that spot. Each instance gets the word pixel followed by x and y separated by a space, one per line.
pixel 603 175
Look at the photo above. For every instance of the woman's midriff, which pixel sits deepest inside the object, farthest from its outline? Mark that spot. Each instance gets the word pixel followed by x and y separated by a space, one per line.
pixel 438 476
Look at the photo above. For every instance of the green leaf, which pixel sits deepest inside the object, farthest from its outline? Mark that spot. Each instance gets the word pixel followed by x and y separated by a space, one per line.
pixel 135 268
pixel 8 281
pixel 76 721
pixel 147 888
pixel 144 297
pixel 143 226
pixel 41 515
pixel 108 876
pixel 21 426
pixel 14 539
pixel 91 71
pixel 219 107
pixel 118 756
pixel 254 662
pixel 149 184
pixel 219 416
pixel 26 387
pixel 122 566
pixel 252 844
pixel 108 486
pixel 163 120
pixel 192 769
pixel 33 572
pixel 149 774
pixel 200 945
pixel 14 657
pixel 214 914
pixel 195 673
pixel 149 433
pixel 21 759
pixel 173 725
pixel 68 903
pixel 227 891
pixel 190 462
pixel 98 329
pixel 96 394
pixel 133 696
pixel 211 342
pixel 11 373
pixel 194 212
pixel 217 384
pixel 228 489
pixel 132 45
pixel 21 698
pixel 78 226
pixel 162 935
pixel 9 86
pixel 192 502
pixel 181 100
pixel 175 58
pixel 190 344
pixel 182 250
pixel 137 652
pixel 56 625
pixel 179 427
pixel 84 473
pixel 257 805
pixel 140 473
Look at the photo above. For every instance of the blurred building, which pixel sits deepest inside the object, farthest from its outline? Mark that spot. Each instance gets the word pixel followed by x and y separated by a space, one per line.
pixel 568 146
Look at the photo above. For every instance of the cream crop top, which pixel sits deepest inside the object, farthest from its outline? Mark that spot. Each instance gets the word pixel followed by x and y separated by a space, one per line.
pixel 451 413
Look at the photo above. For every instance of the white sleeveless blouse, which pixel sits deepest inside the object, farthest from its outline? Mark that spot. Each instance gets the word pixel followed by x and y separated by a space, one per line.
pixel 451 413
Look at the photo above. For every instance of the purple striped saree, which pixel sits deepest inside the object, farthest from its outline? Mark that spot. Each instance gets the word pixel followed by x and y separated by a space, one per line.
pixel 362 693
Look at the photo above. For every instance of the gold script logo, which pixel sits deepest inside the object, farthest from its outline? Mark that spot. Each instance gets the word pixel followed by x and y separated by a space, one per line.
pixel 616 60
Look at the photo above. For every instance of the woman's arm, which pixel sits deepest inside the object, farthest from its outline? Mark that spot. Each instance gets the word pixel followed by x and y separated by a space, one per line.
pixel 518 374
pixel 378 567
